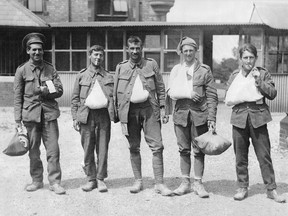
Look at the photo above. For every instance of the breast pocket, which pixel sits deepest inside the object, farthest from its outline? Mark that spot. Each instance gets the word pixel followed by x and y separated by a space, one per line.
pixel 29 85
pixel 84 89
pixel 149 77
pixel 123 82
pixel 198 86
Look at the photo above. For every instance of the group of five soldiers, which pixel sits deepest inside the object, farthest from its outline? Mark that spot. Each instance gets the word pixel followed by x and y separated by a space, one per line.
pixel 135 96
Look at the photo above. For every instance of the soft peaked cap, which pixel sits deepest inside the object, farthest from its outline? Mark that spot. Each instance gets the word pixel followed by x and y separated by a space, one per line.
pixel 186 41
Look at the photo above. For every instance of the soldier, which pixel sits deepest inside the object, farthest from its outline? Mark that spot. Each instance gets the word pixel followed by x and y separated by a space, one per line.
pixel 139 96
pixel 36 86
pixel 248 89
pixel 92 108
pixel 191 85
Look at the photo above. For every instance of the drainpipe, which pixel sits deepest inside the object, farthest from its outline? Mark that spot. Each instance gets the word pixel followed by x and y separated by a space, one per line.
pixel 69 11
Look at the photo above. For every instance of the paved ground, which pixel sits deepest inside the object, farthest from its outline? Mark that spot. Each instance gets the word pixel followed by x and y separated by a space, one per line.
pixel 219 178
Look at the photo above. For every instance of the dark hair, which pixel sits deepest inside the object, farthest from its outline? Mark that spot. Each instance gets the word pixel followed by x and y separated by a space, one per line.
pixel 134 39
pixel 248 47
pixel 96 48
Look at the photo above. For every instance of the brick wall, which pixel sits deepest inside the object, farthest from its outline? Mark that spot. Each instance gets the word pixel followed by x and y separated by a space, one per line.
pixel 79 10
pixel 56 11
pixel 283 141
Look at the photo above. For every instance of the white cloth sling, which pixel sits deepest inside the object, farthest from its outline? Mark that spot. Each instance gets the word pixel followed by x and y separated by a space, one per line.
pixel 139 94
pixel 179 86
pixel 242 89
pixel 96 99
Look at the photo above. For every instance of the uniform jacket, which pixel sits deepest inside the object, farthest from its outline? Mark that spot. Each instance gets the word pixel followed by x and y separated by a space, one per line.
pixel 206 109
pixel 28 100
pixel 258 111
pixel 125 76
pixel 83 85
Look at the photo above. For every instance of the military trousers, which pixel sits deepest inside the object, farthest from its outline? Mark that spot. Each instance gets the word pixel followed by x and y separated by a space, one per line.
pixel 48 131
pixel 95 135
pixel 261 143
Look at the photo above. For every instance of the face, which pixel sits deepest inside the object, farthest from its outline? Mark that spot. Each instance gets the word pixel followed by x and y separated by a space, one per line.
pixel 96 58
pixel 135 51
pixel 248 61
pixel 189 53
pixel 35 52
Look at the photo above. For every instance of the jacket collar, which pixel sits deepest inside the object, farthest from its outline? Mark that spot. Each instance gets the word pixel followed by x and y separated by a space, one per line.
pixel 93 71
pixel 138 64
pixel 33 66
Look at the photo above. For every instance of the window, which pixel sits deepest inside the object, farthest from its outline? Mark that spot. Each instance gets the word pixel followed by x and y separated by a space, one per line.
pixel 35 5
pixel 277 54
pixel 111 10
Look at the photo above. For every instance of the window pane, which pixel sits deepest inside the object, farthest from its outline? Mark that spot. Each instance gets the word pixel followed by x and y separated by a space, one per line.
pixel 79 40
pixel 115 40
pixel 172 38
pixel 62 61
pixel 153 55
pixel 62 40
pixel 79 61
pixel 98 38
pixel 113 59
pixel 48 42
pixel 170 60
pixel 103 6
pixel 283 43
pixel 48 56
pixel 272 43
pixel 152 41
pixel 271 63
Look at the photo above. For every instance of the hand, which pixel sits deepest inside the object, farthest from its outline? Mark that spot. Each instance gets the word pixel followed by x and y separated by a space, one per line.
pixel 255 73
pixel 163 116
pixel 212 126
pixel 124 129
pixel 76 125
pixel 195 96
pixel 44 90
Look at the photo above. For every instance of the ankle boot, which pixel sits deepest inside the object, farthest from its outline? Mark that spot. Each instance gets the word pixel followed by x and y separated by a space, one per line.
pixel 163 189
pixel 184 188
pixel 272 194
pixel 137 186
pixel 241 194
pixel 199 189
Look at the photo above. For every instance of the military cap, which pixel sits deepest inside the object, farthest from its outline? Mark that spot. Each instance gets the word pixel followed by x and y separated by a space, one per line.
pixel 186 41
pixel 32 38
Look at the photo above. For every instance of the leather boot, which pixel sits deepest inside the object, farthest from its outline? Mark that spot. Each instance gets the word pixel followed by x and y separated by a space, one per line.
pixel 137 186
pixel 241 194
pixel 163 190
pixel 89 186
pixel 101 186
pixel 272 194
pixel 184 188
pixel 199 189
pixel 34 186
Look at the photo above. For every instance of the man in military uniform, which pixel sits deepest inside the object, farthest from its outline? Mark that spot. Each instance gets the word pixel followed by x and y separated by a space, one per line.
pixel 191 85
pixel 139 95
pixel 92 108
pixel 36 86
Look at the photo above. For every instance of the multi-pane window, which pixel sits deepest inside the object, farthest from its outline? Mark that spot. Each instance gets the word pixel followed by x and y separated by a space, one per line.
pixel 35 5
pixel 111 8
pixel 277 54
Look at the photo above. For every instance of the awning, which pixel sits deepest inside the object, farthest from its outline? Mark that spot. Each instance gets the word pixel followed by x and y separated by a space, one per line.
pixel 13 14
pixel 273 14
